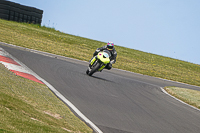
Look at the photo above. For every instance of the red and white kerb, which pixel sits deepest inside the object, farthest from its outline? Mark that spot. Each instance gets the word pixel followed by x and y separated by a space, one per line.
pixel 12 64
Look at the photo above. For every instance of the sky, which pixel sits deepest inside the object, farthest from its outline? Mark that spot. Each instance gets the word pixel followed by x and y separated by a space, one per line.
pixel 169 28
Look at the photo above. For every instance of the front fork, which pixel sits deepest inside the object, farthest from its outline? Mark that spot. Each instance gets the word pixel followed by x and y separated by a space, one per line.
pixel 92 62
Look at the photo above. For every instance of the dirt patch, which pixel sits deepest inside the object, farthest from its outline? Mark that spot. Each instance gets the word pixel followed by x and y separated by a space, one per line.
pixel 57 116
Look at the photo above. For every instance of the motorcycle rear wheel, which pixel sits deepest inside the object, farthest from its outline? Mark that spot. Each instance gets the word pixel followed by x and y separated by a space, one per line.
pixel 87 71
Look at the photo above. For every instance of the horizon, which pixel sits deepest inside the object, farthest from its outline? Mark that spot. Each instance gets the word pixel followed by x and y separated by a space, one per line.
pixel 167 28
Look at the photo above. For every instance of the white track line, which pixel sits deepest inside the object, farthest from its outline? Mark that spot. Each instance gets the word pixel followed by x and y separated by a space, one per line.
pixel 15 67
pixel 49 54
pixel 25 69
pixel 163 90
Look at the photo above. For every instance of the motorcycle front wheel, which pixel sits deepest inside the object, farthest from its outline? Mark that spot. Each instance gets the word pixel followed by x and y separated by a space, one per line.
pixel 94 69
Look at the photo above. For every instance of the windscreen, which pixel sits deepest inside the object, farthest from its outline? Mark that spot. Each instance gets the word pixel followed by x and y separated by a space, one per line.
pixel 106 54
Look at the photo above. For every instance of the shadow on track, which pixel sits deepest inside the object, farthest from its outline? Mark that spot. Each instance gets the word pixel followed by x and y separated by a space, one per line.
pixel 103 79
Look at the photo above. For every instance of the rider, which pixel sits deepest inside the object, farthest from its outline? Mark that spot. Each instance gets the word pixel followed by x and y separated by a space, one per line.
pixel 109 47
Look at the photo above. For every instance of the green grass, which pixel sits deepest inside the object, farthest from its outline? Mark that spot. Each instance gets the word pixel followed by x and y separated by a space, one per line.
pixel 191 97
pixel 52 41
pixel 49 40
pixel 27 106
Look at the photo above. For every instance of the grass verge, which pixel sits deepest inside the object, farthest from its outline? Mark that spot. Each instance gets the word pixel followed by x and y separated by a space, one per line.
pixel 52 41
pixel 188 96
pixel 46 115
pixel 27 106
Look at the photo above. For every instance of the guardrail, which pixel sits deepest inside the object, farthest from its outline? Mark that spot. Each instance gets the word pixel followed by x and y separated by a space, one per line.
pixel 20 13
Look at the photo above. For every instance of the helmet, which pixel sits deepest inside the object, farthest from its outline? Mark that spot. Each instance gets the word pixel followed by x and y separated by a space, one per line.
pixel 110 45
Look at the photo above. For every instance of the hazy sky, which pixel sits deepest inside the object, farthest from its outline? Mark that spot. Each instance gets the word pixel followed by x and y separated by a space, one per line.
pixel 165 27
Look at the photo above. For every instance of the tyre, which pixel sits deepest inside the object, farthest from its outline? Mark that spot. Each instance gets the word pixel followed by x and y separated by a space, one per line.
pixel 20 18
pixel 33 19
pixel 4 2
pixel 36 20
pixel 40 21
pixel 4 11
pixel 37 15
pixel 11 18
pixel 12 13
pixel 28 19
pixel 21 15
pixel 87 71
pixel 16 14
pixel 13 4
pixel 25 18
pixel 14 9
pixel 94 69
pixel 33 9
pixel 4 16
pixel 2 6
pixel 16 19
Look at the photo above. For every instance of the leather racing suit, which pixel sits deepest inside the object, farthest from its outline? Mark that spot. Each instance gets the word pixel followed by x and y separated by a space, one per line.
pixel 112 58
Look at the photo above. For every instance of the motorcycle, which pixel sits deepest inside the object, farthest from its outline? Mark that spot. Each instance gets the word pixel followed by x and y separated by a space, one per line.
pixel 98 62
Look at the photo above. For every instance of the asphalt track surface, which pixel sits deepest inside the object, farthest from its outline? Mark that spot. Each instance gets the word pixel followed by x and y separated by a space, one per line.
pixel 115 101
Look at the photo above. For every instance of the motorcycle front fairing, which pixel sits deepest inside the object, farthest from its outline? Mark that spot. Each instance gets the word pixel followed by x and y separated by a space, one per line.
pixel 103 57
